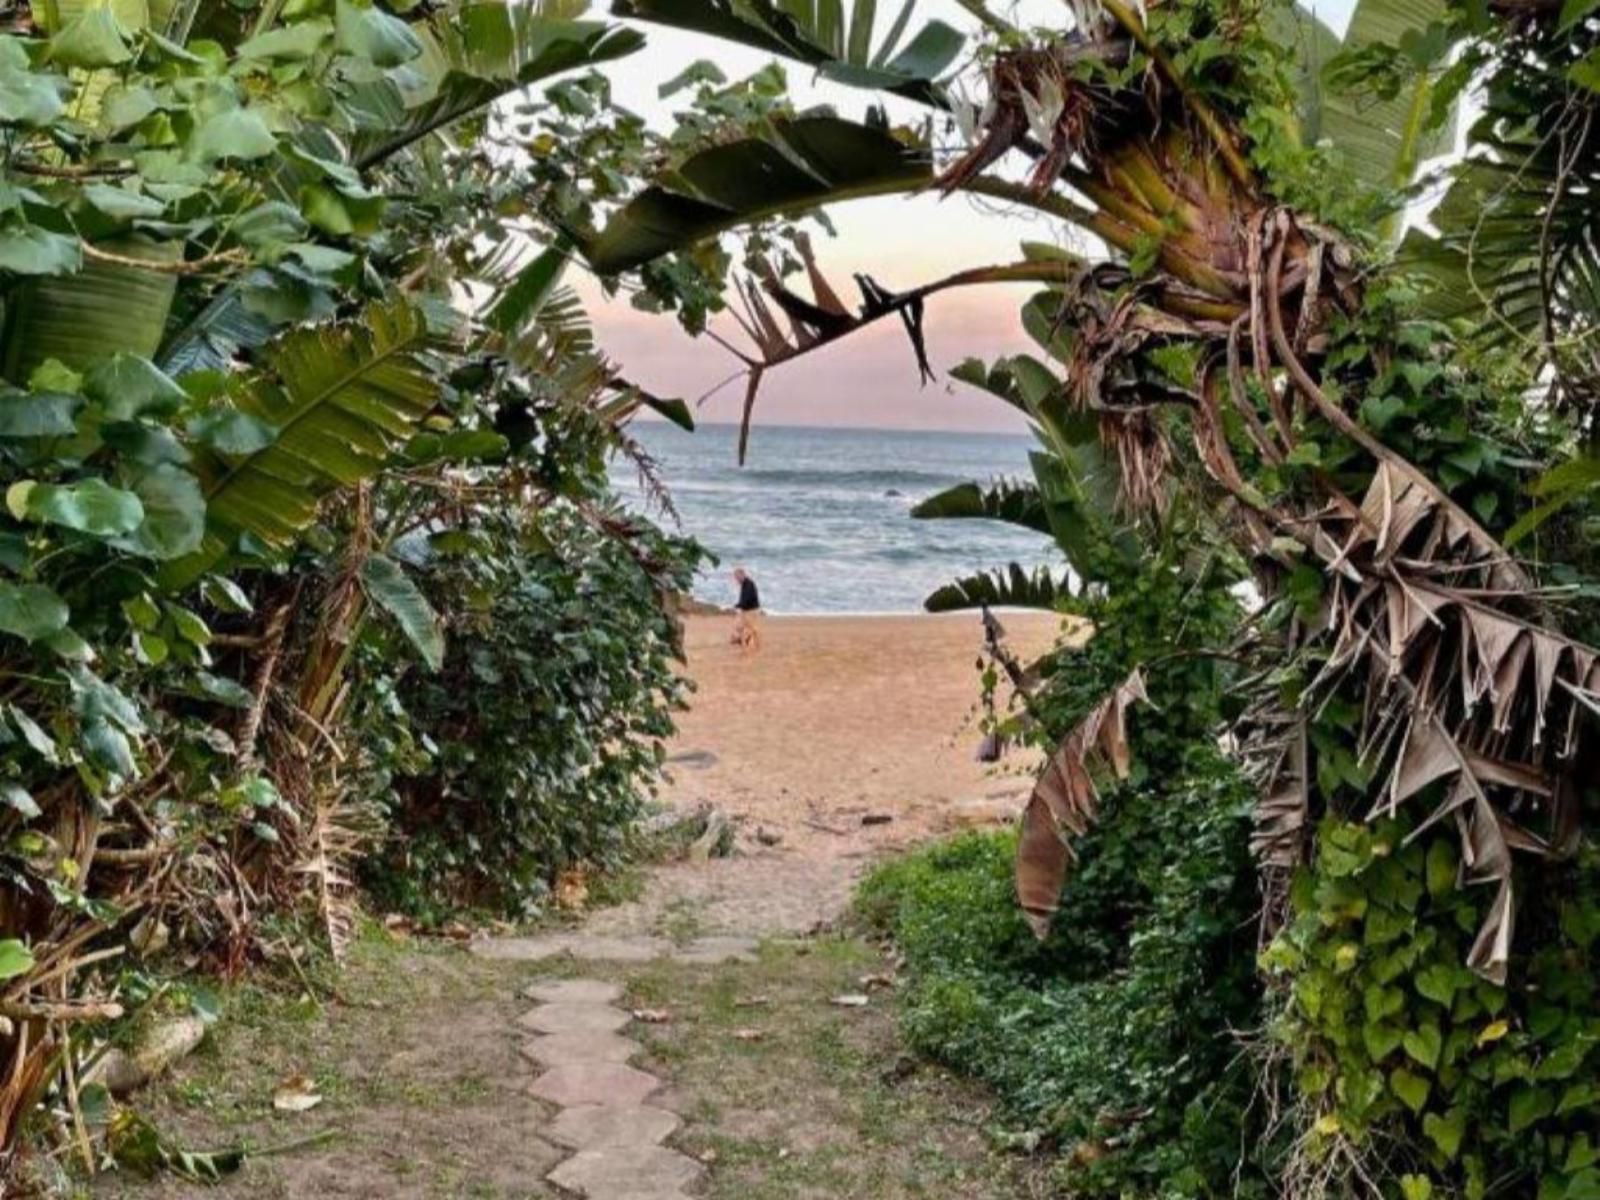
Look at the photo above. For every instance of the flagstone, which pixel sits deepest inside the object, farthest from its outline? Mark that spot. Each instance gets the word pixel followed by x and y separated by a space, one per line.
pixel 597 1126
pixel 626 1170
pixel 570 1049
pixel 594 1083
pixel 574 1018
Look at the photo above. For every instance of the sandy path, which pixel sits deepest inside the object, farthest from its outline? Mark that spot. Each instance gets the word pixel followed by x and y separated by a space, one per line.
pixel 834 719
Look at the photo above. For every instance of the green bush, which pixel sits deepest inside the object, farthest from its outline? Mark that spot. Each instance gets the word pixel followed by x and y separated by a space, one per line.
pixel 1115 1039
pixel 537 745
pixel 1437 1082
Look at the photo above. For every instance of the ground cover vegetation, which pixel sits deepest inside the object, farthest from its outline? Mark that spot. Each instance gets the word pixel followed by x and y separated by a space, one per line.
pixel 1253 379
pixel 305 451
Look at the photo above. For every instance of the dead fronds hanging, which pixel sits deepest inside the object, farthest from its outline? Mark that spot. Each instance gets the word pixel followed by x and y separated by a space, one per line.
pixel 1065 802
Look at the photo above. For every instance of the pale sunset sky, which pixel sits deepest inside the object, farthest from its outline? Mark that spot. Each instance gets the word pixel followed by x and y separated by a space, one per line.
pixel 870 378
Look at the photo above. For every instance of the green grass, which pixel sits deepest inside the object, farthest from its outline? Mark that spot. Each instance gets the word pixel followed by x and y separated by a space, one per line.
pixel 425 1095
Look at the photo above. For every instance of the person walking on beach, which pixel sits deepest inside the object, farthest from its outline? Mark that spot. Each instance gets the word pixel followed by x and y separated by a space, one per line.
pixel 746 612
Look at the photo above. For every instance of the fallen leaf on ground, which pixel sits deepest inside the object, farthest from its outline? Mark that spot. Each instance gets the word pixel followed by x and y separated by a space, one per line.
pixel 752 1001
pixel 876 819
pixel 572 889
pixel 850 1000
pixel 652 1016
pixel 748 1035
pixel 868 982
pixel 296 1094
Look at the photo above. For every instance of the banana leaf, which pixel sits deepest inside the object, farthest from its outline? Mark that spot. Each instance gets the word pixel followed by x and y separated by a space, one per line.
pixel 102 309
pixel 1381 140
pixel 1007 500
pixel 808 162
pixel 471 57
pixel 340 399
pixel 817 32
pixel 1007 587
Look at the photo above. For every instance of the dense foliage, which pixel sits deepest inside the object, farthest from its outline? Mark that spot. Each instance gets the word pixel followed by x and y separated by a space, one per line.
pixel 1116 1035
pixel 1241 348
pixel 1387 1029
pixel 275 320
pixel 534 749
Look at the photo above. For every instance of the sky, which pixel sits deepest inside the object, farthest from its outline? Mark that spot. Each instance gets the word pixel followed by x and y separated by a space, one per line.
pixel 870 378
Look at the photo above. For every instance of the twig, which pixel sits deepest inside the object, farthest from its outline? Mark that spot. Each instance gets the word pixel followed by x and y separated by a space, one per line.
pixel 61 1010
pixel 191 267
pixel 825 827
pixel 73 171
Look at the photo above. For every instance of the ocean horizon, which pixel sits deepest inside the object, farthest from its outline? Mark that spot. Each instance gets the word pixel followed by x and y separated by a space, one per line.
pixel 821 516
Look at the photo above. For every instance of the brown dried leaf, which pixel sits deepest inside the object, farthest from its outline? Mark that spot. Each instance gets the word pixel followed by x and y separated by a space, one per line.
pixel 296 1093
pixel 1064 800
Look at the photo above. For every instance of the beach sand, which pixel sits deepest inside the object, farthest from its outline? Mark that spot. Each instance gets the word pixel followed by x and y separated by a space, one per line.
pixel 833 720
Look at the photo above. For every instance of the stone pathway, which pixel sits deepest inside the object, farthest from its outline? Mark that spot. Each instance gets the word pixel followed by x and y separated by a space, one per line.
pixel 614 1135
pixel 577 1045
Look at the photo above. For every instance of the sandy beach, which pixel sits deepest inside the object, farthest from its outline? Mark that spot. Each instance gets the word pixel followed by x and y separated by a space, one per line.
pixel 839 717
pixel 833 720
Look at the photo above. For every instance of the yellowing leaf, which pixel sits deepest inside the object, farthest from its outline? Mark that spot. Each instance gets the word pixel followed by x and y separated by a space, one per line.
pixel 1493 1032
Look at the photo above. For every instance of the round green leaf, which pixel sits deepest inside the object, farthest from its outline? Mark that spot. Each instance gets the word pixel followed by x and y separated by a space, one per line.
pixel 15 958
pixel 31 611
pixel 90 506
pixel 366 31
pixel 94 38
pixel 36 414
pixel 29 98
pixel 235 133
pixel 29 250
pixel 232 432
pixel 174 514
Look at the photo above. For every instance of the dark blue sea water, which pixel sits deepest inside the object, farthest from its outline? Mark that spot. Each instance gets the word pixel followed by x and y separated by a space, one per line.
pixel 821 517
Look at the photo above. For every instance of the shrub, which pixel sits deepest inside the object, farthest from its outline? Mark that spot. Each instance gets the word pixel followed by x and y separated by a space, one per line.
pixel 538 744
pixel 1436 1082
pixel 1114 1037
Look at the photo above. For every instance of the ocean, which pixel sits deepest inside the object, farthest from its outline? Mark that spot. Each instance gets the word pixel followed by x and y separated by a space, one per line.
pixel 821 518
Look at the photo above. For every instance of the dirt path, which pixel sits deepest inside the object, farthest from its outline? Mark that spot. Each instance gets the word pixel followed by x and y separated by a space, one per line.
pixel 687 1043
pixel 710 1071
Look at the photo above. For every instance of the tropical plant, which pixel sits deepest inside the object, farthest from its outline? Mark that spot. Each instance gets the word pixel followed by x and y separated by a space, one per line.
pixel 1247 357
pixel 230 242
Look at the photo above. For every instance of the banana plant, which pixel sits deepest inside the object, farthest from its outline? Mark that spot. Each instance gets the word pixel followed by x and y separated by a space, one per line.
pixel 1224 352
pixel 818 33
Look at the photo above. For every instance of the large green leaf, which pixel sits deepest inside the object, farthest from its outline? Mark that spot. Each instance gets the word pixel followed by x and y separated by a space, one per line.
pixel 342 398
pixel 1381 141
pixel 528 291
pixel 1008 587
pixel 84 318
pixel 471 56
pixel 816 32
pixel 392 590
pixel 31 611
pixel 89 506
pixel 1004 500
pixel 1526 190
pixel 808 162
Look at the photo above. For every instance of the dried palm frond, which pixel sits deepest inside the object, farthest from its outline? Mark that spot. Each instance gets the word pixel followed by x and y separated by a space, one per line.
pixel 1065 802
